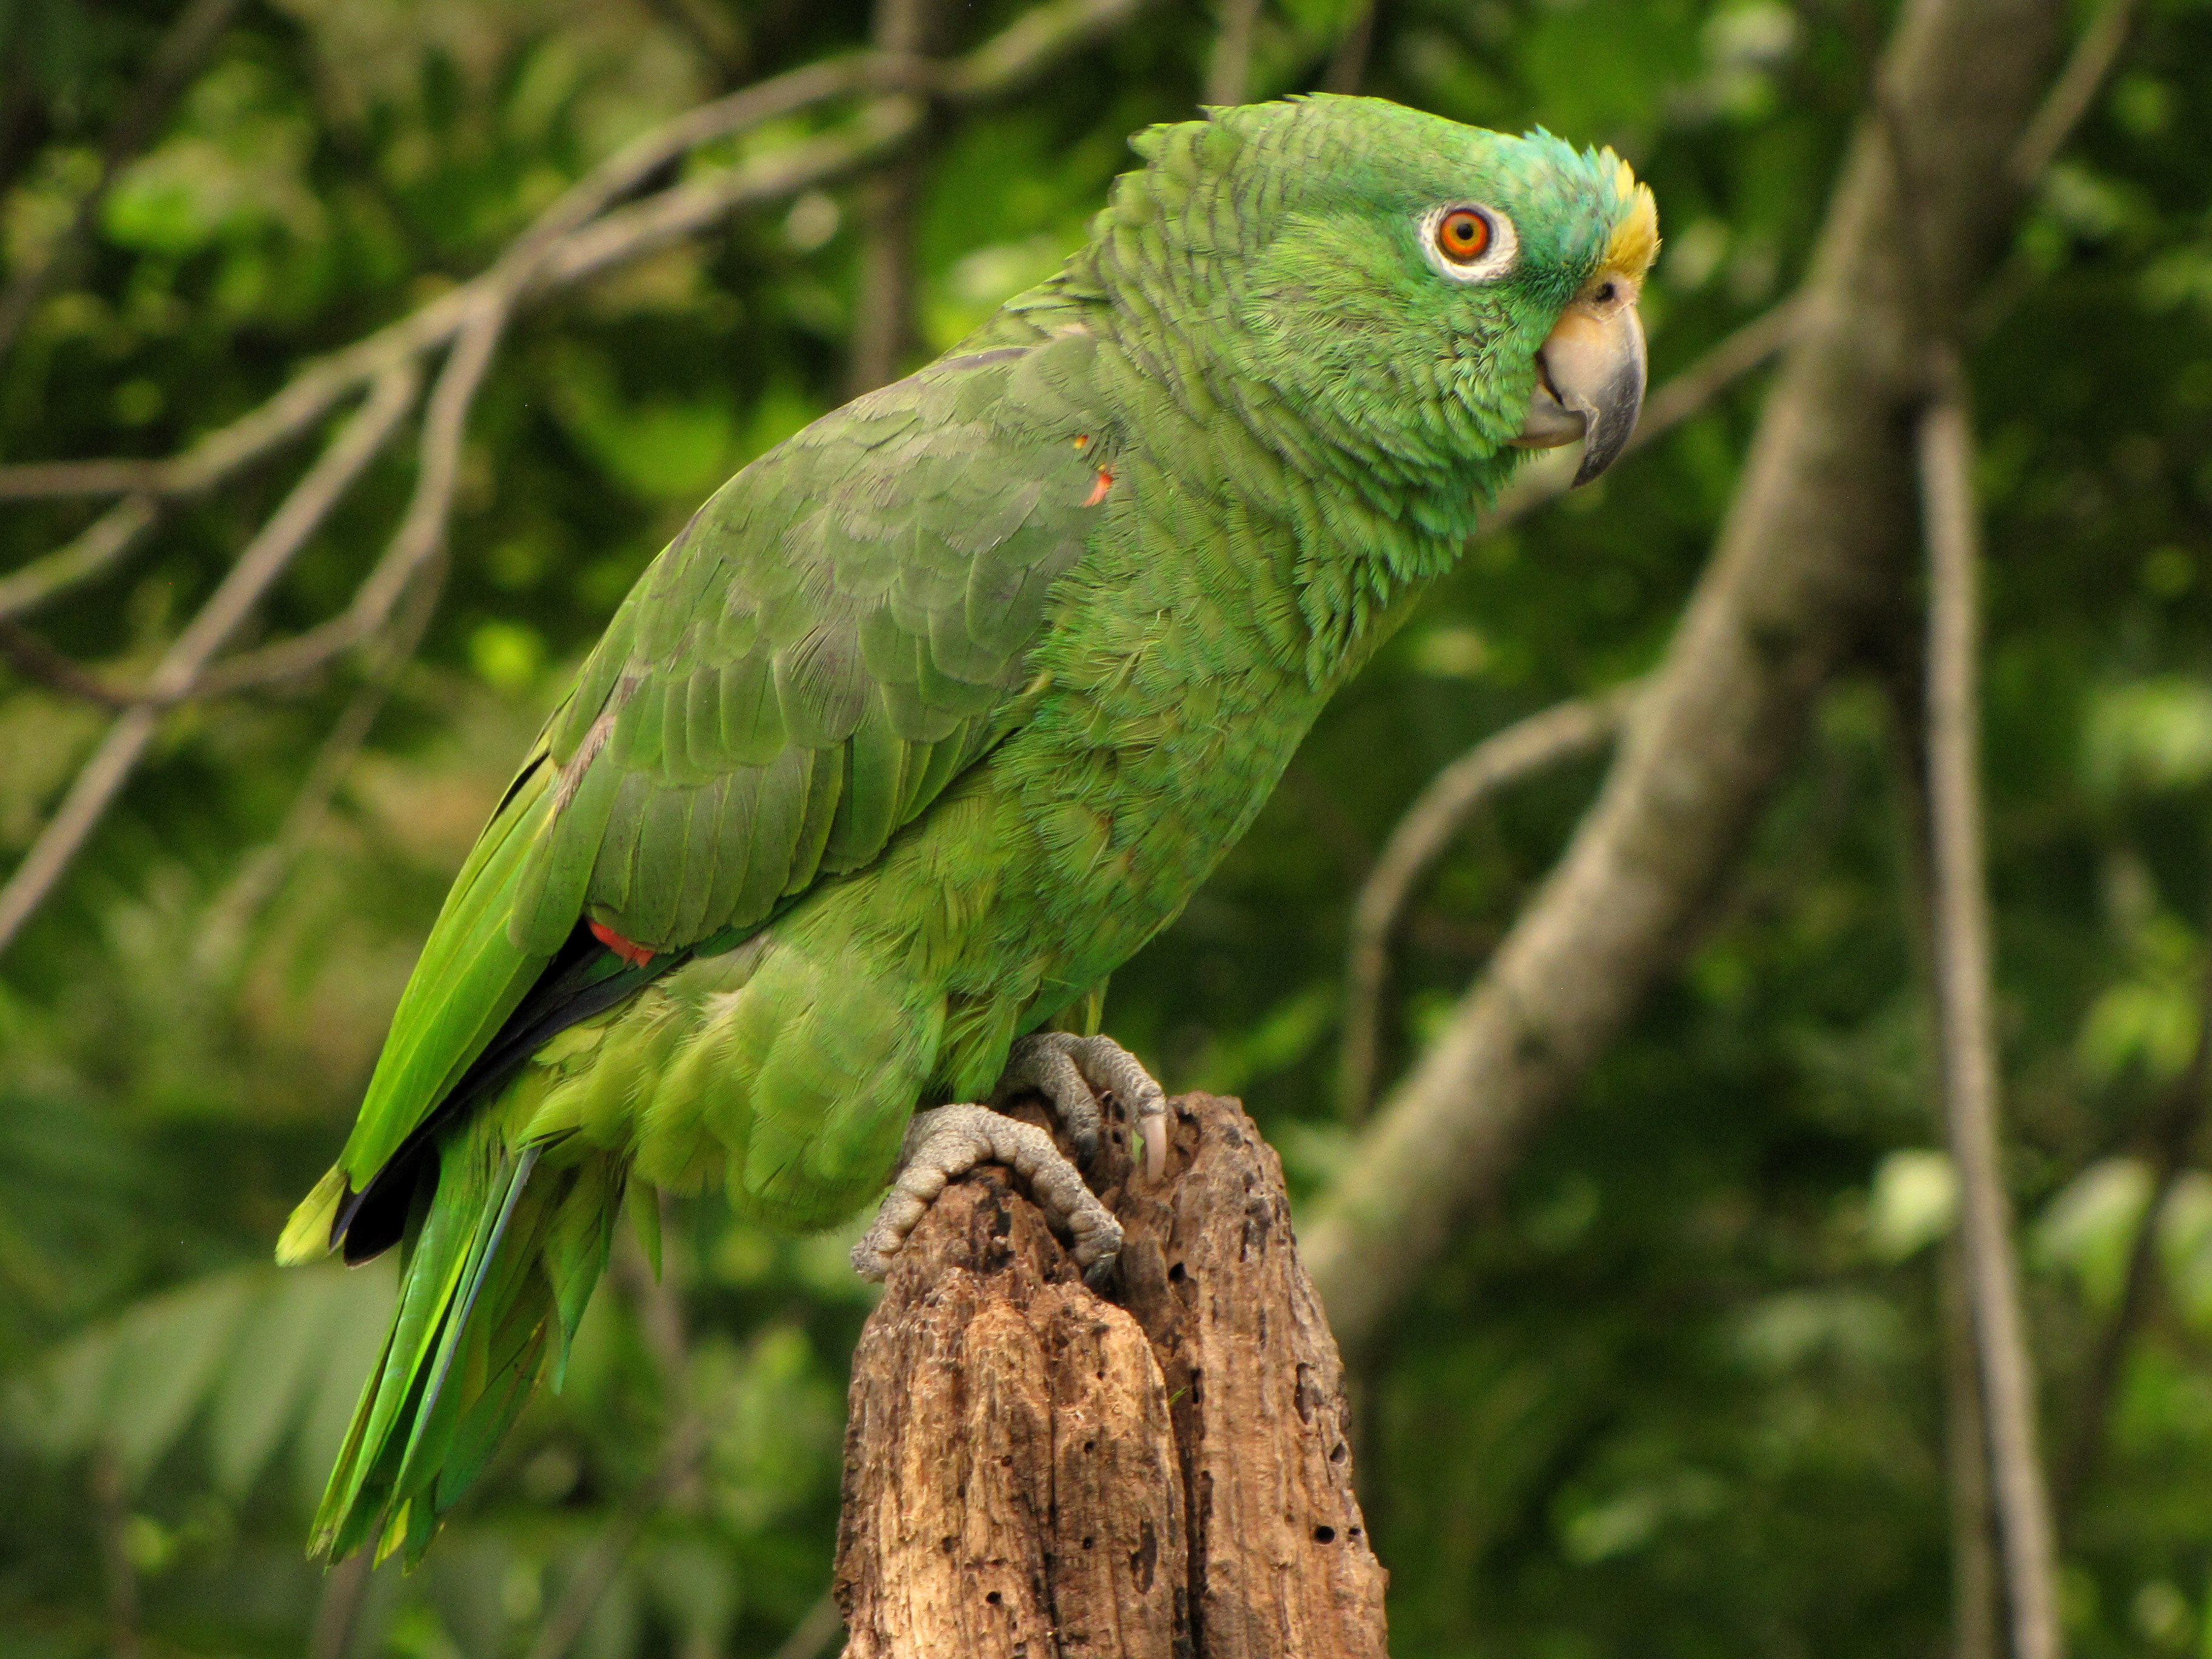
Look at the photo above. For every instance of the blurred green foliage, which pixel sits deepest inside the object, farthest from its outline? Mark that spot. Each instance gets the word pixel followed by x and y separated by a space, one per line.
pixel 1678 1392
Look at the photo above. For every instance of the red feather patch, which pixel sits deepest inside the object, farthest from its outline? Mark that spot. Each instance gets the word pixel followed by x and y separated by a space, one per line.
pixel 628 949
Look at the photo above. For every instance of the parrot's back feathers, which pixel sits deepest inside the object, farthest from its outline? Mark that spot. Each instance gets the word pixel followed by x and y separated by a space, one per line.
pixel 823 647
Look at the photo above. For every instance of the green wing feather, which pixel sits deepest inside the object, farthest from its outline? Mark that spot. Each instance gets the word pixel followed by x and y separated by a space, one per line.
pixel 831 640
pixel 834 638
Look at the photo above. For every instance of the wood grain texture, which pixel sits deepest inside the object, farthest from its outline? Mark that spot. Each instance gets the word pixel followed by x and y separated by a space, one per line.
pixel 1034 1471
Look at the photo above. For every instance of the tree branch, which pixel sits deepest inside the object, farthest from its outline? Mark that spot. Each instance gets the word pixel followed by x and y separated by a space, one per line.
pixel 1455 794
pixel 260 564
pixel 1811 549
pixel 1560 734
pixel 217 944
pixel 111 1515
pixel 1961 939
pixel 97 551
pixel 884 328
pixel 39 662
pixel 563 246
pixel 1975 1622
pixel 576 242
pixel 2090 62
pixel 1974 1577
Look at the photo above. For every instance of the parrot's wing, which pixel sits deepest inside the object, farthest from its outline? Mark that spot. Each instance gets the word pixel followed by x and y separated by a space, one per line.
pixel 835 636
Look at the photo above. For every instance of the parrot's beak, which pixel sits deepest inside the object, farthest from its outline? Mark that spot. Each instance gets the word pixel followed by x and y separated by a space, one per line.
pixel 1589 379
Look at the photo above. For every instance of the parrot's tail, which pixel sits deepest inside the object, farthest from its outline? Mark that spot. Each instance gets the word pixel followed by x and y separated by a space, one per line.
pixel 500 1253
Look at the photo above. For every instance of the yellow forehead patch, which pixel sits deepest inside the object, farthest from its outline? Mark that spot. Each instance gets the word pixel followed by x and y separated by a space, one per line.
pixel 1635 241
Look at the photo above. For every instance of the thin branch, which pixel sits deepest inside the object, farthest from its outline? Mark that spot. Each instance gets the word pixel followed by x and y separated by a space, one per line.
pixel 188 41
pixel 36 660
pixel 1960 938
pixel 576 243
pixel 1976 1623
pixel 684 209
pixel 1375 915
pixel 1975 1626
pixel 260 564
pixel 345 1586
pixel 2045 135
pixel 1229 71
pixel 217 943
pixel 2070 95
pixel 554 253
pixel 111 1515
pixel 311 393
pixel 1566 732
pixel 94 553
pixel 420 535
pixel 557 249
pixel 885 329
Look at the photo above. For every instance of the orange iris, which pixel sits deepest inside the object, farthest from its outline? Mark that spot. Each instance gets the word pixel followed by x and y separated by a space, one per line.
pixel 1461 235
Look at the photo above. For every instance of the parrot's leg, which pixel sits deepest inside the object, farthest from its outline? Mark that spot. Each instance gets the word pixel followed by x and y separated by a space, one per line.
pixel 1071 1073
pixel 946 1143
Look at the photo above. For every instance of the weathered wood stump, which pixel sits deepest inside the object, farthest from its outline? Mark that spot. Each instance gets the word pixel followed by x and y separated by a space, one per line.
pixel 1034 1472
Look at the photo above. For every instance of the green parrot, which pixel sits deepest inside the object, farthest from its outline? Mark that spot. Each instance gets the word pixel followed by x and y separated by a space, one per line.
pixel 935 714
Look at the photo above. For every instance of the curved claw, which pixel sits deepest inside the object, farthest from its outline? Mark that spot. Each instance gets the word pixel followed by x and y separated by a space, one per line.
pixel 1071 1073
pixel 1152 1124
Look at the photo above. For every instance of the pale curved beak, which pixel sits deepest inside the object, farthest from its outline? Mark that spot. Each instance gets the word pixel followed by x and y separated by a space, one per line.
pixel 1589 380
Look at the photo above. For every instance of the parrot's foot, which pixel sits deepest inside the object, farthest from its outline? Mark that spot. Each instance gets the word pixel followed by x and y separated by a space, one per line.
pixel 1073 1072
pixel 946 1143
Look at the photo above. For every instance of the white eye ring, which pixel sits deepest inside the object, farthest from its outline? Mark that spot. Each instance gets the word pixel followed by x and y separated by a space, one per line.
pixel 1493 262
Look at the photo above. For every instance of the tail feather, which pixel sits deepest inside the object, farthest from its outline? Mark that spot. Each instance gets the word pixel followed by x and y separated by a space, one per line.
pixel 499 1262
pixel 438 1414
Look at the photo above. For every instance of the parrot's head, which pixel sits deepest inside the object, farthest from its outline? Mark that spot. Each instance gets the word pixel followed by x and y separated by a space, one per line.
pixel 1422 292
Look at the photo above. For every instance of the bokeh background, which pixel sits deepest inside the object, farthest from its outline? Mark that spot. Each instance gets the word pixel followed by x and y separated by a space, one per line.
pixel 1680 1390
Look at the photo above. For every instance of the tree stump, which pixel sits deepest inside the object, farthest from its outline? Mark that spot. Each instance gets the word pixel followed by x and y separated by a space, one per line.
pixel 1034 1472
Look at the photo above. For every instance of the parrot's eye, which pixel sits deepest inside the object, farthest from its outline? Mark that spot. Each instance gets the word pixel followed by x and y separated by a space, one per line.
pixel 1468 243
pixel 1461 235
